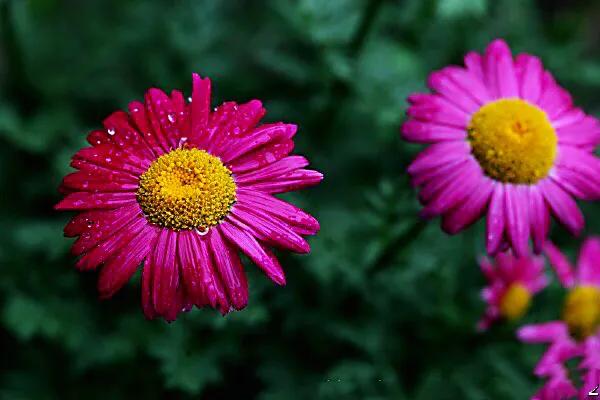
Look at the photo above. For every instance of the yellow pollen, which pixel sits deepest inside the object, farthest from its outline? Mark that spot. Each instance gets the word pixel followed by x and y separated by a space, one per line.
pixel 515 301
pixel 186 189
pixel 582 311
pixel 513 141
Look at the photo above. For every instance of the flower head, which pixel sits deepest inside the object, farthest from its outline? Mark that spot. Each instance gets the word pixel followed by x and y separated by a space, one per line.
pixel 577 335
pixel 512 282
pixel 506 141
pixel 180 189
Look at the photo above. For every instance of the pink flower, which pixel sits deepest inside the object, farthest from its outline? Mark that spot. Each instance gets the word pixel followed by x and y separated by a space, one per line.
pixel 506 141
pixel 512 282
pixel 578 334
pixel 180 189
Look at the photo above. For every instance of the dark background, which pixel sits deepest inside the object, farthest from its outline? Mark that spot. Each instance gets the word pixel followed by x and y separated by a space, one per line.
pixel 383 308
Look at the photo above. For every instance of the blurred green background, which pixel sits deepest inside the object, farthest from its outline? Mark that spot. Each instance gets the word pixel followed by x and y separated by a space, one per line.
pixel 383 308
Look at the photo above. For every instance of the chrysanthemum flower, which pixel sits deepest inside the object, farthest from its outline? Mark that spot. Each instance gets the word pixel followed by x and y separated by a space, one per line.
pixel 577 335
pixel 181 189
pixel 512 282
pixel 506 141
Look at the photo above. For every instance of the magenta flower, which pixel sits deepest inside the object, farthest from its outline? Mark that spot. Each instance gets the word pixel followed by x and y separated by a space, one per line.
pixel 578 334
pixel 181 189
pixel 512 282
pixel 506 141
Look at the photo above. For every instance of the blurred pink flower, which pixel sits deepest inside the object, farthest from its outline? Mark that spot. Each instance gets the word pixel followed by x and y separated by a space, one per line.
pixel 578 334
pixel 512 282
pixel 505 141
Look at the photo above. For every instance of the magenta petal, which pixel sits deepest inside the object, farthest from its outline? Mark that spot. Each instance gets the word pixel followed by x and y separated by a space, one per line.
pixel 191 270
pixel 119 269
pixel 453 194
pixel 268 230
pixel 86 200
pixel 103 226
pixel 137 111
pixel 443 83
pixel 588 264
pixel 474 64
pixel 259 137
pixel 505 71
pixel 563 206
pixel 111 245
pixel 543 333
pixel 262 156
pixel 427 132
pixel 230 269
pixel 272 171
pixel 470 210
pixel 280 209
pixel 539 218
pixel 199 109
pixel 495 220
pixel 165 273
pixel 262 257
pixel 291 181
pixel 561 265
pixel 439 154
pixel 119 130
pixel 516 203
pixel 90 182
pixel 530 77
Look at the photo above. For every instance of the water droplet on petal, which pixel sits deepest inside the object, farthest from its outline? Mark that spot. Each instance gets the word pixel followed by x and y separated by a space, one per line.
pixel 90 223
pixel 171 118
pixel 111 132
pixel 202 231
pixel 190 99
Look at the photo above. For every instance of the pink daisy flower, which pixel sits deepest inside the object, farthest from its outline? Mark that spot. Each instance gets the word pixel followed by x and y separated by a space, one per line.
pixel 512 282
pixel 180 189
pixel 506 141
pixel 577 335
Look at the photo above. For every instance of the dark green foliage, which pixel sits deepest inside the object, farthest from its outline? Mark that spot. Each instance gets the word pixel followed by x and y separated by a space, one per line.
pixel 385 305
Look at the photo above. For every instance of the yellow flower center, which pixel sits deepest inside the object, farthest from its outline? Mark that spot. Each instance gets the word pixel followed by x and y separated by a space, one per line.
pixel 186 189
pixel 515 301
pixel 513 141
pixel 582 311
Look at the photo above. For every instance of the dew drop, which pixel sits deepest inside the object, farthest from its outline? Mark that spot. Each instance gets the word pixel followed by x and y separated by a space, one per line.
pixel 190 99
pixel 111 132
pixel 171 118
pixel 108 159
pixel 90 223
pixel 202 232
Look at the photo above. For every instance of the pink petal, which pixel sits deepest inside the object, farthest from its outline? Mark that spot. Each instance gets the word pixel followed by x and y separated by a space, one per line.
pixel 262 156
pixel 588 264
pixel 230 269
pixel 296 180
pixel 165 269
pixel 495 220
pixel 453 194
pixel 272 171
pixel 439 154
pixel 259 137
pixel 469 211
pixel 543 333
pixel 280 209
pixel 585 133
pixel 103 226
pixel 530 73
pixel 539 218
pixel 443 83
pixel 427 132
pixel 198 262
pixel 268 230
pixel 111 245
pixel 255 251
pixel 86 200
pixel 563 206
pixel 119 130
pixel 436 109
pixel 199 110
pixel 506 76
pixel 516 203
pixel 231 121
pixel 89 182
pixel 119 269
pixel 561 265
pixel 137 111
